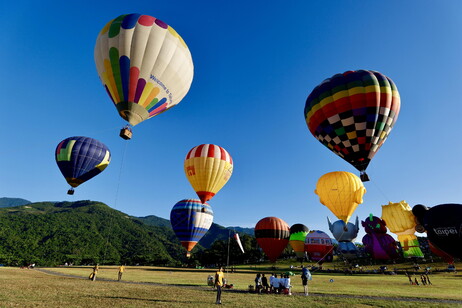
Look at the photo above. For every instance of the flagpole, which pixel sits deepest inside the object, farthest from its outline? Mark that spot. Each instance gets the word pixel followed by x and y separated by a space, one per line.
pixel 227 259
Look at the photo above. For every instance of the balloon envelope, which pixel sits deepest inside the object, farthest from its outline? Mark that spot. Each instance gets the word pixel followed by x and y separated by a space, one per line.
pixel 208 168
pixel 353 113
pixel 318 246
pixel 297 237
pixel 272 235
pixel 443 224
pixel 144 65
pixel 81 158
pixel 190 219
pixel 341 192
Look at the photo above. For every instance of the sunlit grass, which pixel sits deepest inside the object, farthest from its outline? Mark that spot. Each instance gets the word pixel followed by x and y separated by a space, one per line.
pixel 444 286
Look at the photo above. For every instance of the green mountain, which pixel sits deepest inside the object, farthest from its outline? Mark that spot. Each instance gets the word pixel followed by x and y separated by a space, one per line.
pixel 9 202
pixel 82 232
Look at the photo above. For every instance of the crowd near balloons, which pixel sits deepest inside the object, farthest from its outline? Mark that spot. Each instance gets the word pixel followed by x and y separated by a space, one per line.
pixel 146 68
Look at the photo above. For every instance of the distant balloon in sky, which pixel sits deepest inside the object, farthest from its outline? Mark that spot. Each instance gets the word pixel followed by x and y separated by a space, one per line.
pixel 341 192
pixel 318 246
pixel 190 219
pixel 400 220
pixel 272 235
pixel 352 114
pixel 80 159
pixel 443 224
pixel 144 65
pixel 297 237
pixel 208 168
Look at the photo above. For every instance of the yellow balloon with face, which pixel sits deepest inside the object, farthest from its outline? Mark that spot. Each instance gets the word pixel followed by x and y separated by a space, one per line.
pixel 341 192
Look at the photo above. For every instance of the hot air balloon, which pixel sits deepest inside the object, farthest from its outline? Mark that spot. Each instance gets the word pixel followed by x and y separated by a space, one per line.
pixel 208 167
pixel 401 221
pixel 190 219
pixel 352 114
pixel 443 224
pixel 345 234
pixel 297 237
pixel 377 243
pixel 80 159
pixel 272 235
pixel 341 192
pixel 318 246
pixel 144 65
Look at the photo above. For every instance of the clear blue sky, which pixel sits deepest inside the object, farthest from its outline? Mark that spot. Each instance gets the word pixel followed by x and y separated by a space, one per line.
pixel 255 64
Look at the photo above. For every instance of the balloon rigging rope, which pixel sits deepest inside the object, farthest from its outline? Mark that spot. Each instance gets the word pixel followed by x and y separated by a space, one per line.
pixel 124 151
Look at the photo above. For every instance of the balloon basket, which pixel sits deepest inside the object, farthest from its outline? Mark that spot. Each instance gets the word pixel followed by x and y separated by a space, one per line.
pixel 126 133
pixel 70 191
pixel 364 177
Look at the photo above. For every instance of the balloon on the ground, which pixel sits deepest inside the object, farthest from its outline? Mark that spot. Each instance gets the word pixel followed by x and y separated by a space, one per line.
pixel 400 220
pixel 319 247
pixel 297 237
pixel 345 234
pixel 208 168
pixel 443 224
pixel 341 192
pixel 81 158
pixel 443 255
pixel 144 65
pixel 377 243
pixel 190 219
pixel 272 235
pixel 352 114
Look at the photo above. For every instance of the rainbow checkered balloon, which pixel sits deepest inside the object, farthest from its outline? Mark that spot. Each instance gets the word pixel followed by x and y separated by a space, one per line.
pixel 353 113
pixel 144 65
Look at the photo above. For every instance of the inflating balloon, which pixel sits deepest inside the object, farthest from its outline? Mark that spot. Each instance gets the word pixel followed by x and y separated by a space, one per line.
pixel 377 243
pixel 400 220
pixel 144 65
pixel 298 233
pixel 352 114
pixel 190 219
pixel 318 246
pixel 443 224
pixel 80 159
pixel 341 192
pixel 272 235
pixel 345 234
pixel 208 168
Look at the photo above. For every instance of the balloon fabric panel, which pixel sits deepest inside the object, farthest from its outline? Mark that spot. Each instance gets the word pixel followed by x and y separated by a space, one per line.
pixel 81 158
pixel 353 113
pixel 144 65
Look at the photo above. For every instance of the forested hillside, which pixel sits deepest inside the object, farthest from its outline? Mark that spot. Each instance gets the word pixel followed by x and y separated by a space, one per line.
pixel 83 232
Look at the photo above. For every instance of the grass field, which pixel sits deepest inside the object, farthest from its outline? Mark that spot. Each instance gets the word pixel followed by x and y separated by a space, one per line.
pixel 165 287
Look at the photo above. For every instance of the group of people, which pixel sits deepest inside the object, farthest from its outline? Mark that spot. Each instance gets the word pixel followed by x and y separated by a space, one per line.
pixel 424 280
pixel 280 285
pixel 95 270
pixel 274 285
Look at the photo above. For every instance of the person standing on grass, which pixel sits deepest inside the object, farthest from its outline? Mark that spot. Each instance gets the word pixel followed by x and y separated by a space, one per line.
pixel 306 275
pixel 219 276
pixel 95 271
pixel 264 282
pixel 121 271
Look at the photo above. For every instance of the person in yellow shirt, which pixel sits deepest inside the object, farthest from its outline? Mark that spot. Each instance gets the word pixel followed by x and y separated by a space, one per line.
pixel 121 271
pixel 219 283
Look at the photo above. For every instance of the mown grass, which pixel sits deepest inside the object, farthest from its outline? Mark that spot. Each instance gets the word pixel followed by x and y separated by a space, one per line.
pixel 31 288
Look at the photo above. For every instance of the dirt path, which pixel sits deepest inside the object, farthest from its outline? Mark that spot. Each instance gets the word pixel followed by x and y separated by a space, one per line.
pixel 403 299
